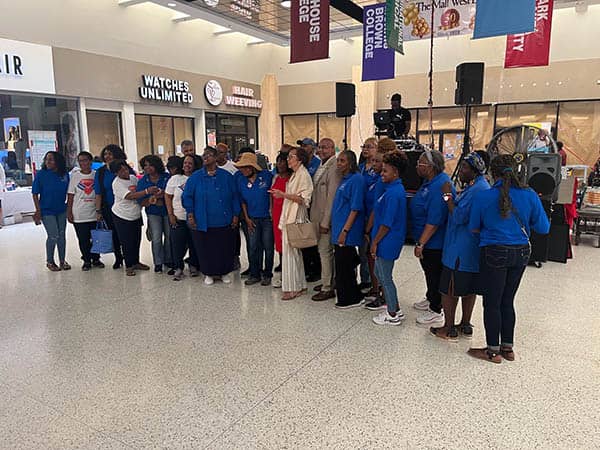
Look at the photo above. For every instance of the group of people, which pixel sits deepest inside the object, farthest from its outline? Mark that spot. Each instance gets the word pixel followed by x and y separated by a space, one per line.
pixel 359 210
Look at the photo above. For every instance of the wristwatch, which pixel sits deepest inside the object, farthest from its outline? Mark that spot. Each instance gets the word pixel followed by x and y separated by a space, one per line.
pixel 419 245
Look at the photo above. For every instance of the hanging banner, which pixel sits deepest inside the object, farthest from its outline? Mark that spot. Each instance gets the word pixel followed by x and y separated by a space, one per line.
pixel 532 49
pixel 451 18
pixel 503 17
pixel 309 27
pixel 394 25
pixel 378 59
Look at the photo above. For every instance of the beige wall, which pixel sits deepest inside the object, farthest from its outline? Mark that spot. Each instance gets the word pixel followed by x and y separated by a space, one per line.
pixel 307 98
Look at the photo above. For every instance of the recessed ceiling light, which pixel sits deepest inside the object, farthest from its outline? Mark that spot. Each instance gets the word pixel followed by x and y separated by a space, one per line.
pixel 172 4
pixel 286 3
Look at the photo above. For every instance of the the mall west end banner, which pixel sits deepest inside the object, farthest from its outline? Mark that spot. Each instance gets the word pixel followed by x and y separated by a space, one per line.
pixel 378 59
pixel 309 37
pixel 451 18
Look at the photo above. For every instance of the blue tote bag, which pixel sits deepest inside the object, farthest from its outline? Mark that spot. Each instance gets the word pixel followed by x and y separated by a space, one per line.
pixel 102 239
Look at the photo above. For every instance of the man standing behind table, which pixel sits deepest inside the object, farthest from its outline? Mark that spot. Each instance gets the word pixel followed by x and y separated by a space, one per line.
pixel 400 119
pixel 326 181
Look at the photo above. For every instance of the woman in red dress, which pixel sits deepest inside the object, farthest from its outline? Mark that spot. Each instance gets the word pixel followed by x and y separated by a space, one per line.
pixel 282 176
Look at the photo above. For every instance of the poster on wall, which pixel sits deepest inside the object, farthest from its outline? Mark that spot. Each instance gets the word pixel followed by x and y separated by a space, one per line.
pixel 451 18
pixel 12 131
pixel 69 133
pixel 378 60
pixel 532 49
pixel 40 143
pixel 309 36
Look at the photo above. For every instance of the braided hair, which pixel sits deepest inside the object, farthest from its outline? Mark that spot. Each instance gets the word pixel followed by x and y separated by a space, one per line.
pixel 504 168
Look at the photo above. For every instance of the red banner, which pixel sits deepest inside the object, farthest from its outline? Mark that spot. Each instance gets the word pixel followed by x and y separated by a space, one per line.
pixel 309 30
pixel 532 49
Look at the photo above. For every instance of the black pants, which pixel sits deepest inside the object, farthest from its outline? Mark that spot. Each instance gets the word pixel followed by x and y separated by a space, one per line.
pixel 181 241
pixel 501 268
pixel 312 262
pixel 346 261
pixel 130 237
pixel 432 266
pixel 107 215
pixel 84 236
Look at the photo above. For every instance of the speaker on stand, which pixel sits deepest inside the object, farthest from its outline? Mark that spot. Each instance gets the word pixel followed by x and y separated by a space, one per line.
pixel 345 105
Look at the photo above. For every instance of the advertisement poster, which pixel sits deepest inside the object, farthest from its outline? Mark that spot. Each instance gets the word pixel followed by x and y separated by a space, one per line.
pixel 69 137
pixel 41 142
pixel 451 18
pixel 378 59
pixel 394 25
pixel 309 37
pixel 532 49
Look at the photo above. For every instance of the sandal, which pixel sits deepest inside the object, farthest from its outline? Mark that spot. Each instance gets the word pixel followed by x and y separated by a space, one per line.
pixel 507 353
pixel 486 354
pixel 53 267
pixel 292 295
pixel 65 266
pixel 130 272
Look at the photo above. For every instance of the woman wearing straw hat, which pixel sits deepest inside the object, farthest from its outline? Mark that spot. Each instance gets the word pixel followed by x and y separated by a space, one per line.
pixel 254 186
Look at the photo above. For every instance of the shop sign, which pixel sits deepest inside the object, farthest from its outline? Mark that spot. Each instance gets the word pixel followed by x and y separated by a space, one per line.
pixel 165 90
pixel 213 92
pixel 244 97
pixel 26 67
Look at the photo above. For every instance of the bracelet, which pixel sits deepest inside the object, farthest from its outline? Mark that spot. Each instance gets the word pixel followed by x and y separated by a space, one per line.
pixel 146 191
pixel 419 245
pixel 344 231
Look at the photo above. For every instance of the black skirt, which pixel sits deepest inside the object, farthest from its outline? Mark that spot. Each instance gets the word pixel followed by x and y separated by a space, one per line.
pixel 458 284
pixel 216 250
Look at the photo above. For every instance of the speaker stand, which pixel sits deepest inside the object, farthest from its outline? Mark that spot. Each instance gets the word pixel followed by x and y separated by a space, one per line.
pixel 345 133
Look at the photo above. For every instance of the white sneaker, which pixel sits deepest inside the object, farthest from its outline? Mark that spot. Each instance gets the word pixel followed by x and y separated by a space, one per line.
pixel 226 279
pixel 208 280
pixel 384 318
pixel 430 317
pixel 276 283
pixel 423 305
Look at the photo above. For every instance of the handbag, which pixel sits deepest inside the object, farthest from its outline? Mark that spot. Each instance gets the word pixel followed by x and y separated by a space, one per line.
pixel 102 241
pixel 302 233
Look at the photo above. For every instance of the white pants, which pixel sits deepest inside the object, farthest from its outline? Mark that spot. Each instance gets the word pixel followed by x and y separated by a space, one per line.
pixel 292 267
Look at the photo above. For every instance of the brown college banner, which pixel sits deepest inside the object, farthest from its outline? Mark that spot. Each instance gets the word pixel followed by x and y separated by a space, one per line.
pixel 309 30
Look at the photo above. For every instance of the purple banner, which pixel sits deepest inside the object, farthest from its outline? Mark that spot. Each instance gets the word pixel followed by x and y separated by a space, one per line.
pixel 378 59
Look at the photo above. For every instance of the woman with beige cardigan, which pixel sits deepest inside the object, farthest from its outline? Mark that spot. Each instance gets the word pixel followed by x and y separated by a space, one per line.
pixel 295 207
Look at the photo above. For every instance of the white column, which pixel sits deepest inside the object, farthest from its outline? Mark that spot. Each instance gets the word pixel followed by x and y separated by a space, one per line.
pixel 129 136
pixel 83 130
pixel 199 131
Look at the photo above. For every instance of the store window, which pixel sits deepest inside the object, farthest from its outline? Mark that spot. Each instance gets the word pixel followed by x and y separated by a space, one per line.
pixel 448 132
pixel 333 128
pixel 299 127
pixel 482 126
pixel 104 128
pixel 234 130
pixel 162 135
pixel 50 121
pixel 542 115
pixel 579 130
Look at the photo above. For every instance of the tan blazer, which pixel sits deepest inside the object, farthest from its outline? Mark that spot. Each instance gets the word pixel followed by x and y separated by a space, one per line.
pixel 300 184
pixel 326 184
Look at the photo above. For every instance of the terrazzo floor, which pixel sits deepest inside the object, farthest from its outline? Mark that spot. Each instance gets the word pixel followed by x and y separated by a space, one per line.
pixel 99 361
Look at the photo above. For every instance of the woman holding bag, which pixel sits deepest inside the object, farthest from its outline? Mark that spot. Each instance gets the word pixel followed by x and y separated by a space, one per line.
pixel 296 201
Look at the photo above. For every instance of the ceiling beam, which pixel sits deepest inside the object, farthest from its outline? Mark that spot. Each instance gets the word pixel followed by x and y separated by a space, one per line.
pixel 183 18
pixel 221 32
pixel 349 8
pixel 126 3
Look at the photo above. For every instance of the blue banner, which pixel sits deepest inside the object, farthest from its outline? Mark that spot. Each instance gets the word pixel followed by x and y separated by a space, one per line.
pixel 502 17
pixel 378 59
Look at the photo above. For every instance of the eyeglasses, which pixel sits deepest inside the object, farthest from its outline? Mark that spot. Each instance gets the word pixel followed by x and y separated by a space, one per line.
pixel 291 156
pixel 367 146
pixel 423 164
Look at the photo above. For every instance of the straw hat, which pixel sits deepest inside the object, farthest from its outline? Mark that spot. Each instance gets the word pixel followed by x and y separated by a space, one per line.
pixel 248 160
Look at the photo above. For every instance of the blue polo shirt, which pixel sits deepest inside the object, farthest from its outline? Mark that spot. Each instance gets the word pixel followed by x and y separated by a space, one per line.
pixel 350 196
pixel 461 246
pixel 374 191
pixel 144 183
pixel 256 195
pixel 390 211
pixel 496 230
pixel 52 189
pixel 213 200
pixel 106 188
pixel 313 165
pixel 371 177
pixel 429 208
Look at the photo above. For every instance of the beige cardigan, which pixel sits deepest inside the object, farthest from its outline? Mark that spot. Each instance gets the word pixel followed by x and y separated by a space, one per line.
pixel 300 184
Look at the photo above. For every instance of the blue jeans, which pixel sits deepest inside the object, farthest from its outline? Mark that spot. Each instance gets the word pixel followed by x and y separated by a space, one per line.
pixel 160 229
pixel 261 248
pixel 502 267
pixel 55 229
pixel 383 271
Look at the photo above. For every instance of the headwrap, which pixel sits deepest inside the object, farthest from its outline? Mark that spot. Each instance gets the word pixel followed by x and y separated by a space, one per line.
pixel 476 162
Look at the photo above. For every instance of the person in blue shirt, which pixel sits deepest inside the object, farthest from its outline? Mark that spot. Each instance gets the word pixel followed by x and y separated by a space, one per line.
pixel 254 186
pixel 156 211
pixel 347 228
pixel 49 193
pixel 388 231
pixel 212 204
pixel 314 161
pixel 105 198
pixel 460 257
pixel 428 213
pixel 503 217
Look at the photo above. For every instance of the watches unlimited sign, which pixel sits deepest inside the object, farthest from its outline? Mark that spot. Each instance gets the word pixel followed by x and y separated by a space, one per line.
pixel 165 90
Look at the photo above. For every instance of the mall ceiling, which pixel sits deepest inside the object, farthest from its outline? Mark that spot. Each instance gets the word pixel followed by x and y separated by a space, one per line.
pixel 269 20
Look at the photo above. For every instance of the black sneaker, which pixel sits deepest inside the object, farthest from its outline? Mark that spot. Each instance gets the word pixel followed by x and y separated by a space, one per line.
pixel 376 305
pixel 171 272
pixel 466 330
pixel 158 268
pixel 118 264
pixel 277 269
pixel 364 285
pixel 251 280
pixel 245 273
pixel 86 266
pixel 265 281
pixel 99 264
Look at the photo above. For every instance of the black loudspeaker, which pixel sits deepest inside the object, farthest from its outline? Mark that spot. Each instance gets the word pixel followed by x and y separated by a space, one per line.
pixel 411 181
pixel 344 100
pixel 543 172
pixel 469 84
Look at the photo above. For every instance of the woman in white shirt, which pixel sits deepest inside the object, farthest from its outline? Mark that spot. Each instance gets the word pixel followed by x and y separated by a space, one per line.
pixel 81 209
pixel 181 236
pixel 127 214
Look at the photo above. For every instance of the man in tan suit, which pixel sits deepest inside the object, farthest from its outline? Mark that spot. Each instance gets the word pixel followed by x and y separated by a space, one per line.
pixel 326 181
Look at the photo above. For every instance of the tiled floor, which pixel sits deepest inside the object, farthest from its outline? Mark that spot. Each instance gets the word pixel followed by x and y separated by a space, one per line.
pixel 95 360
